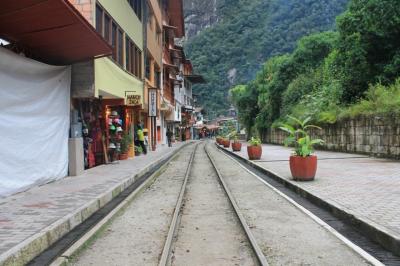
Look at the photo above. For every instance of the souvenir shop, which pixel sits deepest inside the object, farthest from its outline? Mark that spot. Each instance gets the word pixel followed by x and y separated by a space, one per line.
pixel 107 129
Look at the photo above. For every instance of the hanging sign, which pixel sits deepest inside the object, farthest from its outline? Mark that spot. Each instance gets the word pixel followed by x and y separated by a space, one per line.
pixel 152 102
pixel 132 98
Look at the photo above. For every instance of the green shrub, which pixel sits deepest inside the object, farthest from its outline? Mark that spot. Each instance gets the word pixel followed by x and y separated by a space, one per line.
pixel 379 99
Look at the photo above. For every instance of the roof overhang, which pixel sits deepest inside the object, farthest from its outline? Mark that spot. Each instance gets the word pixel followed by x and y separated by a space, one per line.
pixel 195 78
pixel 53 31
pixel 169 27
pixel 171 66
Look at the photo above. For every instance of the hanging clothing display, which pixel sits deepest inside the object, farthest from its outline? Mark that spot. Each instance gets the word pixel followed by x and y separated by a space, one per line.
pixel 34 122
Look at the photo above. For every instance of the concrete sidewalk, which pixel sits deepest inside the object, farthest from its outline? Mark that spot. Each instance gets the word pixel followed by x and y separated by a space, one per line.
pixel 364 188
pixel 33 220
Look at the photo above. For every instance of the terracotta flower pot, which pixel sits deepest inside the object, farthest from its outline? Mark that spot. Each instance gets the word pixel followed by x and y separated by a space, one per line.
pixel 236 146
pixel 123 156
pixel 227 143
pixel 254 152
pixel 303 168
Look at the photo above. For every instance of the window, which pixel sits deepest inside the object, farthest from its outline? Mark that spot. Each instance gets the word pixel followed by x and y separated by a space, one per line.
pixel 128 56
pixel 139 63
pixel 114 40
pixel 99 19
pixel 133 63
pixel 133 56
pixel 107 23
pixel 137 7
pixel 148 67
pixel 120 49
pixel 157 78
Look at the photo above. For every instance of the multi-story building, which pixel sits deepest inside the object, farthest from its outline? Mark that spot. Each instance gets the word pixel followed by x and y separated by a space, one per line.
pixel 153 66
pixel 110 88
pixel 173 27
pixel 184 105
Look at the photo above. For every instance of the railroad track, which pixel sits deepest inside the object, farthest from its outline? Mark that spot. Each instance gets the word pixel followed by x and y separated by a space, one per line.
pixel 166 254
pixel 214 165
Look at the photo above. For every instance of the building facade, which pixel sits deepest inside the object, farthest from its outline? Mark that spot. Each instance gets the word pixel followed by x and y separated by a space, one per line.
pixel 153 67
pixel 107 93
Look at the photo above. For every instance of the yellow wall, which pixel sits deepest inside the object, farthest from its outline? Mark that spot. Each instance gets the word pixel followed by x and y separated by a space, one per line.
pixel 112 82
pixel 126 18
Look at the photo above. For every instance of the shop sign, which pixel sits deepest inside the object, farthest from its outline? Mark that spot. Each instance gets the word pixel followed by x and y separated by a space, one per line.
pixel 153 102
pixel 132 99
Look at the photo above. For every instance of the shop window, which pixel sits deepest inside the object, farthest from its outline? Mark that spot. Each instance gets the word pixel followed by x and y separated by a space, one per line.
pixel 99 19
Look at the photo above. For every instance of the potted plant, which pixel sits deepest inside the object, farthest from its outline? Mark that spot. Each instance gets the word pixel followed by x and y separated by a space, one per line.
pixel 138 150
pixel 236 145
pixel 303 164
pixel 226 142
pixel 126 141
pixel 254 149
pixel 218 139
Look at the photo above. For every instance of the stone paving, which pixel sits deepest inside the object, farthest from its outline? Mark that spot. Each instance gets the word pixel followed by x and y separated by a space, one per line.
pixel 30 214
pixel 368 188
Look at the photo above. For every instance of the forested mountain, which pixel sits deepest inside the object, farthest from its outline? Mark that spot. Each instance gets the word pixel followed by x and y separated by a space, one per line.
pixel 243 34
pixel 352 71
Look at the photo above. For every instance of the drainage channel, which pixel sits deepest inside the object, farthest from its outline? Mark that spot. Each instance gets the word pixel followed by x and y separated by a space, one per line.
pixel 57 249
pixel 323 212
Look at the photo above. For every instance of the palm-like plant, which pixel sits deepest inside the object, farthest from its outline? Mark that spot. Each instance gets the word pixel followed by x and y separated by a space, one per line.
pixel 299 137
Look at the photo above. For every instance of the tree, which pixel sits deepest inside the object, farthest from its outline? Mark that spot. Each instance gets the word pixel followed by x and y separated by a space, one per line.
pixel 369 45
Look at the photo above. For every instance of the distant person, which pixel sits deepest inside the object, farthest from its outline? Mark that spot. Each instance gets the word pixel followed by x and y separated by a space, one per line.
pixel 140 136
pixel 169 137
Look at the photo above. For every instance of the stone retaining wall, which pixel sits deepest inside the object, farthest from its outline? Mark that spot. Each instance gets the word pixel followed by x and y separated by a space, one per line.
pixel 375 136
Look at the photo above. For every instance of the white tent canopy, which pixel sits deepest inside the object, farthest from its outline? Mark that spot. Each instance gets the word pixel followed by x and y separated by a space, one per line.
pixel 34 122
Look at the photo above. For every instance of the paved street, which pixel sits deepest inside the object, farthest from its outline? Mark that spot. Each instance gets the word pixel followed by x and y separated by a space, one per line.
pixel 36 218
pixel 366 187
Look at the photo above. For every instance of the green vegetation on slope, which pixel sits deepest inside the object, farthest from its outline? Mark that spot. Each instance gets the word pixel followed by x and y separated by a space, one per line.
pixel 328 74
pixel 250 32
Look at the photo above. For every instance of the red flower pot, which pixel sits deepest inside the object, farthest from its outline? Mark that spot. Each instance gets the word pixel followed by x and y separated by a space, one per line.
pixel 254 152
pixel 227 143
pixel 236 146
pixel 303 168
pixel 123 156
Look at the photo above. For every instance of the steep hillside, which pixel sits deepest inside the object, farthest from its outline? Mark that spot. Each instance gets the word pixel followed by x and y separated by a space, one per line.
pixel 199 14
pixel 243 34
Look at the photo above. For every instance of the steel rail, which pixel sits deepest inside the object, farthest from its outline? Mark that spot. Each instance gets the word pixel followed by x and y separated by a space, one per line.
pixel 256 248
pixel 165 255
